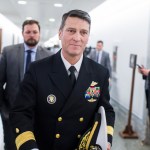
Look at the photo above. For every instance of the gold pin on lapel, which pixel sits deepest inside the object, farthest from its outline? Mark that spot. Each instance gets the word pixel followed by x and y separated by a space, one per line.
pixel 51 99
pixel 93 83
pixel 93 92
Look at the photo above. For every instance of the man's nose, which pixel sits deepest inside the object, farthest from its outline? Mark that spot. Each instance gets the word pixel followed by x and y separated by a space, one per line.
pixel 32 34
pixel 77 36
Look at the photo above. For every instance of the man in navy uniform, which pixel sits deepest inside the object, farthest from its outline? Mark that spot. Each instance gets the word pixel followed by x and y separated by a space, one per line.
pixel 61 94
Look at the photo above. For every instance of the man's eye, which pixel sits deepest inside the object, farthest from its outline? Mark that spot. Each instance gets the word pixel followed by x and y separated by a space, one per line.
pixel 71 31
pixel 28 32
pixel 84 33
pixel 35 32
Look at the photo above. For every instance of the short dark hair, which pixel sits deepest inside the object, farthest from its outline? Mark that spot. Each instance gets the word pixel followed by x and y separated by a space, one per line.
pixel 75 13
pixel 100 41
pixel 30 22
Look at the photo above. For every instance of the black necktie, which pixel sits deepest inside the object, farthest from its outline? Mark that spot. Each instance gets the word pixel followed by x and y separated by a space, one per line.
pixel 28 59
pixel 72 77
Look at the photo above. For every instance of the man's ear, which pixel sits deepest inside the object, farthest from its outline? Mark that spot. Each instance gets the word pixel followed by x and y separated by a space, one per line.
pixel 60 34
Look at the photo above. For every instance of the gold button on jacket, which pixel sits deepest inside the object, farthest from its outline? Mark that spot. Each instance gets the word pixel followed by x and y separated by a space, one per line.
pixel 81 119
pixel 60 119
pixel 57 136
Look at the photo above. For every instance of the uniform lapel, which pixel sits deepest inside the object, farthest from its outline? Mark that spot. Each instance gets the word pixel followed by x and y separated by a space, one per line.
pixel 84 78
pixel 82 84
pixel 59 75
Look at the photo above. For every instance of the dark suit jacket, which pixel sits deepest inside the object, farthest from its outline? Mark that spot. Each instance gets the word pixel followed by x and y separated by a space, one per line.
pixel 60 116
pixel 147 87
pixel 12 72
pixel 105 60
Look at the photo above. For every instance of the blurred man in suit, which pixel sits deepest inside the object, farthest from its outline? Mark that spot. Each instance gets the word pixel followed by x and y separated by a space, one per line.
pixel 101 56
pixel 53 113
pixel 146 76
pixel 14 63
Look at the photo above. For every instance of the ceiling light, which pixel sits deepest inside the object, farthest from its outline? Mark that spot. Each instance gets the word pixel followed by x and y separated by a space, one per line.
pixel 28 18
pixel 22 2
pixel 58 5
pixel 51 19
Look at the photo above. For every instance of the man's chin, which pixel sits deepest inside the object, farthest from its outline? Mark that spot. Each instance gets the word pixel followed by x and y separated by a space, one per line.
pixel 31 44
pixel 73 54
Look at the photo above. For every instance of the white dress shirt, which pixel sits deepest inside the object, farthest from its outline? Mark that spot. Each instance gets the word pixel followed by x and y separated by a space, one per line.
pixel 68 65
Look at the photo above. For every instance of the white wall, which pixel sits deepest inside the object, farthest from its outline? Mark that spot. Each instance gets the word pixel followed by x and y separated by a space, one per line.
pixel 125 23
pixel 11 34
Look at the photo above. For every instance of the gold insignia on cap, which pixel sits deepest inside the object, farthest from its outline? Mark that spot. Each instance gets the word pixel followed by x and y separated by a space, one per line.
pixel 51 99
pixel 87 137
pixel 17 130
pixel 91 134
pixel 84 140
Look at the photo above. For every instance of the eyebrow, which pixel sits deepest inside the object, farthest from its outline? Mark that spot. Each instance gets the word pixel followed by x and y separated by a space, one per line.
pixel 75 28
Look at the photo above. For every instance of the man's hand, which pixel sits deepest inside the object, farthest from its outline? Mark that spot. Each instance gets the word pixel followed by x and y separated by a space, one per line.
pixel 144 71
pixel 108 146
pixel 140 69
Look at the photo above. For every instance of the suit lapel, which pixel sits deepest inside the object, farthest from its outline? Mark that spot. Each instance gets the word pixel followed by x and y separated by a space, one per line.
pixel 20 57
pixel 102 58
pixel 38 54
pixel 95 55
pixel 59 75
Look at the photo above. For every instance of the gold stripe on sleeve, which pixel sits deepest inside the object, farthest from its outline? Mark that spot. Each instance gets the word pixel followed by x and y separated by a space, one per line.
pixel 24 137
pixel 110 130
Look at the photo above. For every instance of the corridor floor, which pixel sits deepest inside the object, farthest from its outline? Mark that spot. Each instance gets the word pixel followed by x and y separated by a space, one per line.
pixel 120 143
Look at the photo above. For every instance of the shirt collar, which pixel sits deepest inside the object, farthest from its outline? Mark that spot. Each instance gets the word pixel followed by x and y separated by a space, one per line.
pixel 68 65
pixel 26 47
pixel 99 51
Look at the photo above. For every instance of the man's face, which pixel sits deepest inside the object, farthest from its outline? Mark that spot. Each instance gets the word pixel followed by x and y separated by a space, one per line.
pixel 74 36
pixel 99 46
pixel 31 35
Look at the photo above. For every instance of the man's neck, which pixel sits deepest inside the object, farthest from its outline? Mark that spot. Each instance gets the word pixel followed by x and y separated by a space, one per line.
pixel 99 50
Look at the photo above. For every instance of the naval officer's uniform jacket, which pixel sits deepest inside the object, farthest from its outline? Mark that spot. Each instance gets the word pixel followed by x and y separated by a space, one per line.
pixel 48 115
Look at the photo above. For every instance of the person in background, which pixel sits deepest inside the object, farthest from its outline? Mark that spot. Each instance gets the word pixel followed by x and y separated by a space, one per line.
pixel 101 56
pixel 146 76
pixel 60 95
pixel 14 63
